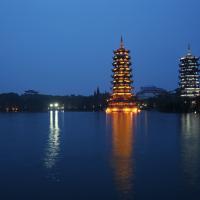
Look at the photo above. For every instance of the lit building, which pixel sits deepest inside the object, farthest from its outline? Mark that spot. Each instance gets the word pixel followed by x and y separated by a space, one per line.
pixel 56 106
pixel 122 98
pixel 189 75
pixel 150 92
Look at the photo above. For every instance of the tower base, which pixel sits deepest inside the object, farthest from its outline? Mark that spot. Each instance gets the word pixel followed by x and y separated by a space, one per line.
pixel 112 109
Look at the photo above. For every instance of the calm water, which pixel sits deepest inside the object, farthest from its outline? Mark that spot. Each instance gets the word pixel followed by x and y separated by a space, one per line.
pixel 95 156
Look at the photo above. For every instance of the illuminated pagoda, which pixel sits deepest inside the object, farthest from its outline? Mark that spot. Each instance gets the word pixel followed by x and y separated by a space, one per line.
pixel 189 75
pixel 122 98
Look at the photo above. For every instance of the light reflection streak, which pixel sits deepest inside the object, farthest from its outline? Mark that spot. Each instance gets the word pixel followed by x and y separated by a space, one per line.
pixel 53 147
pixel 122 152
pixel 190 143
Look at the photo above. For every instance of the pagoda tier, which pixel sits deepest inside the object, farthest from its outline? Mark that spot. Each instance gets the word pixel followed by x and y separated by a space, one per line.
pixel 122 98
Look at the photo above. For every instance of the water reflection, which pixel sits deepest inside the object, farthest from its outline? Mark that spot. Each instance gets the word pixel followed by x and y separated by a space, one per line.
pixel 122 152
pixel 190 143
pixel 53 147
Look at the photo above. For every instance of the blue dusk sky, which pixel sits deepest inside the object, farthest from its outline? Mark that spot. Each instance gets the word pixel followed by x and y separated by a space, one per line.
pixel 66 46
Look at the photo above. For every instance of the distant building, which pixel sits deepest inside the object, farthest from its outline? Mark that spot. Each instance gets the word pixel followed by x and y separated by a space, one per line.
pixel 56 106
pixel 150 92
pixel 189 75
pixel 30 92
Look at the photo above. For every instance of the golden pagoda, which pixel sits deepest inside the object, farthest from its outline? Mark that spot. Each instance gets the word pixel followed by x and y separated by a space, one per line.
pixel 122 98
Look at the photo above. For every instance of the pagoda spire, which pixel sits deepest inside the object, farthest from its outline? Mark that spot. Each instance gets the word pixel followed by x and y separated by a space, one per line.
pixel 121 42
pixel 189 49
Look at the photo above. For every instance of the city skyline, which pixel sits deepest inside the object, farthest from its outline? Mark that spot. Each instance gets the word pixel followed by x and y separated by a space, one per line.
pixel 66 47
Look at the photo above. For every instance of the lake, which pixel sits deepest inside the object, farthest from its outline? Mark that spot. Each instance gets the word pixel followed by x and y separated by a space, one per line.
pixel 94 156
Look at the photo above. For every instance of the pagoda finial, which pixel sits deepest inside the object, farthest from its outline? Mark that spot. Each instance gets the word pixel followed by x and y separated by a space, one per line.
pixel 189 49
pixel 121 42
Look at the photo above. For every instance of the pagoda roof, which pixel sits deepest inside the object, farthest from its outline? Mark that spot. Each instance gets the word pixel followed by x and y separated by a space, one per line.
pixel 121 50
pixel 189 55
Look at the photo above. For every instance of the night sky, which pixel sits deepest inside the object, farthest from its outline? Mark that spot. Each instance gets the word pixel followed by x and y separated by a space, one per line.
pixel 65 46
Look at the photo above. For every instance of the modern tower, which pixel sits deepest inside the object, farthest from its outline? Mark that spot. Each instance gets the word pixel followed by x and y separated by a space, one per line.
pixel 122 98
pixel 189 75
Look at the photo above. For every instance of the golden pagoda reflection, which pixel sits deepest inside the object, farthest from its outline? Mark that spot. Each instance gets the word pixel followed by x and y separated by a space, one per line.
pixel 190 148
pixel 53 147
pixel 122 152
